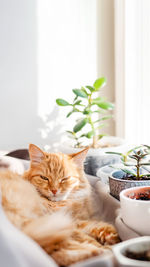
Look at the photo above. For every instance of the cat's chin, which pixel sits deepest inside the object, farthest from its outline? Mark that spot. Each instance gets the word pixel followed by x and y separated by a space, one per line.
pixel 56 199
pixel 59 198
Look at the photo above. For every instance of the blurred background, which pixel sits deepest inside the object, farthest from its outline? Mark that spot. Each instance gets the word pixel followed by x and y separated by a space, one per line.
pixel 49 47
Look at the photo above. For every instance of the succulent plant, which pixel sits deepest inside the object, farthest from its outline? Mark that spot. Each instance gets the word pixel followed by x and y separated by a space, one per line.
pixel 124 156
pixel 137 156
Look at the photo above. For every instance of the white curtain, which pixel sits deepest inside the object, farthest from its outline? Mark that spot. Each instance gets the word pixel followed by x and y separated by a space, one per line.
pixel 132 45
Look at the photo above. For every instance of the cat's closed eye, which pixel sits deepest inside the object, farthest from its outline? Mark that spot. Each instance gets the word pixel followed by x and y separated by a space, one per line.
pixel 44 178
pixel 63 180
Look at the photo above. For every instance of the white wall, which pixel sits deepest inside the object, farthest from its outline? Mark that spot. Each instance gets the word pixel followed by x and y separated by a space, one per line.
pixel 47 48
pixel 66 58
pixel 18 73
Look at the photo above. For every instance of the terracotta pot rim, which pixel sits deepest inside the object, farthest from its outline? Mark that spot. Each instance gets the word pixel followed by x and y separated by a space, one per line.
pixel 123 192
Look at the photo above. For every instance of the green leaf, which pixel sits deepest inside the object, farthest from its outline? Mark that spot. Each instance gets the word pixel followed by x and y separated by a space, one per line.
pixel 84 90
pixel 132 149
pixel 76 110
pixel 70 132
pixel 129 164
pixel 147 146
pixel 100 102
pixel 87 111
pixel 91 88
pixel 77 102
pixel 99 83
pixel 80 92
pixel 145 174
pixel 97 100
pixel 128 172
pixel 133 157
pixel 73 110
pixel 103 119
pixel 100 136
pixel 80 125
pixel 62 102
pixel 71 135
pixel 106 118
pixel 100 111
pixel 68 115
pixel 106 105
pixel 89 134
pixel 114 153
pixel 76 97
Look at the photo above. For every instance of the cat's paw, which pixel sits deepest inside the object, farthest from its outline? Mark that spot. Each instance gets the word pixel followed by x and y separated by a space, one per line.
pixel 106 235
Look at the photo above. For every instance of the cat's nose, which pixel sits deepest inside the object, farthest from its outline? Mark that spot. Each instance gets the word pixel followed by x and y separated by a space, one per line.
pixel 54 191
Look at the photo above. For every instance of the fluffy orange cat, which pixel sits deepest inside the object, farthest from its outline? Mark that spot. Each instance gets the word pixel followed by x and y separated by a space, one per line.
pixel 52 204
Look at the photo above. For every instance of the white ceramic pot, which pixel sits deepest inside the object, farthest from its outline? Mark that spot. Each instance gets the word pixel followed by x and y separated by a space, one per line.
pixel 139 244
pixel 117 144
pixel 136 213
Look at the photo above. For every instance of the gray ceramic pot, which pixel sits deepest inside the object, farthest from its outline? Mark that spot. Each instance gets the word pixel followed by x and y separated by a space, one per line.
pixel 117 184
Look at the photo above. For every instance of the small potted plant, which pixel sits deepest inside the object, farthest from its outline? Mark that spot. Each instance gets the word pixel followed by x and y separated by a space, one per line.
pixel 93 111
pixel 118 161
pixel 131 174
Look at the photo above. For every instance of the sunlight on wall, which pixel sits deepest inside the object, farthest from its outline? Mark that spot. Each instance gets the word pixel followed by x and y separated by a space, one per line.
pixel 66 52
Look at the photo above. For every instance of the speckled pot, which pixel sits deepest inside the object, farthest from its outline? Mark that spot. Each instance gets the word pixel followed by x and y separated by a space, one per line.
pixel 116 185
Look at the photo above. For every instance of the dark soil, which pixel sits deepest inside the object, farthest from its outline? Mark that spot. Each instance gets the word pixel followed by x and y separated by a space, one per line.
pixel 142 256
pixel 141 196
pixel 130 177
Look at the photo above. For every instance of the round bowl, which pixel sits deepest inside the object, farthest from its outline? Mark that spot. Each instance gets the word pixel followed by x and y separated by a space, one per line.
pixel 135 245
pixel 135 212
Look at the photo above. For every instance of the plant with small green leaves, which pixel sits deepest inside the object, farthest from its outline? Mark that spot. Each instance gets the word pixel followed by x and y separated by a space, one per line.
pixel 138 156
pixel 123 156
pixel 86 104
pixel 147 148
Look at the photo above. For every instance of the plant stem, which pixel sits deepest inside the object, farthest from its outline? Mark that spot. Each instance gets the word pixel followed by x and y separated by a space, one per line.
pixel 94 139
pixel 94 144
pixel 124 158
pixel 138 169
pixel 77 140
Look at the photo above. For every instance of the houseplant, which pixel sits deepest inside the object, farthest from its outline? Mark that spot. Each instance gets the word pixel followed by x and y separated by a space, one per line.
pixel 131 174
pixel 120 159
pixel 92 111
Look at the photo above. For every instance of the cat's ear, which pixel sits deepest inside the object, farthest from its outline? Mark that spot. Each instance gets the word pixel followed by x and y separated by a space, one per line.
pixel 80 156
pixel 36 154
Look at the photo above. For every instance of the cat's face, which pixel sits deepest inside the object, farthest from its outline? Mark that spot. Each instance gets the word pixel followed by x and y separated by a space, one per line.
pixel 55 176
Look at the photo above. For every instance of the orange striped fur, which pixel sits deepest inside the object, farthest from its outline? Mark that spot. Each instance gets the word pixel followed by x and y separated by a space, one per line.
pixel 52 204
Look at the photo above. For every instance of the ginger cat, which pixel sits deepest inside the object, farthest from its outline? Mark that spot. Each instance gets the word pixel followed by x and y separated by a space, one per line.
pixel 52 204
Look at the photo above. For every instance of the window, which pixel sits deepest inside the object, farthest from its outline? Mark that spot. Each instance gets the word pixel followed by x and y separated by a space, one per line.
pixel 132 40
